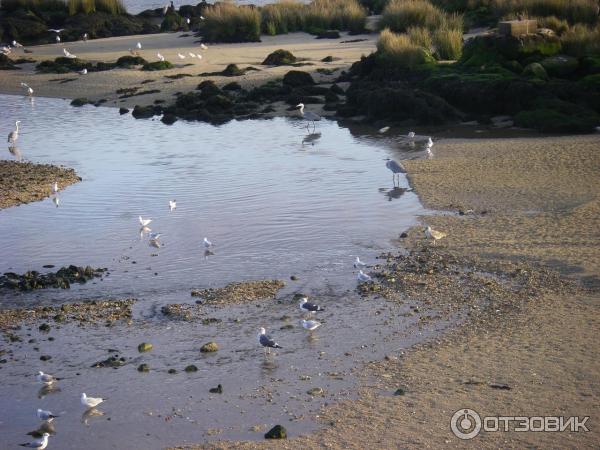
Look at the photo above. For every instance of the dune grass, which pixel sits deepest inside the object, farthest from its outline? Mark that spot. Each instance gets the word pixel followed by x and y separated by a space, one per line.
pixel 448 43
pixel 400 51
pixel 580 40
pixel 559 26
pixel 575 11
pixel 400 15
pixel 226 22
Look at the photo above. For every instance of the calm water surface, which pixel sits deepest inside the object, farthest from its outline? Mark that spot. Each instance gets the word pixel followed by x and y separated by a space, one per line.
pixel 275 202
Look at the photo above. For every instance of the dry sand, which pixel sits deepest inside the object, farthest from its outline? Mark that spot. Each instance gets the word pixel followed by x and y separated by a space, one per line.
pixel 102 85
pixel 541 198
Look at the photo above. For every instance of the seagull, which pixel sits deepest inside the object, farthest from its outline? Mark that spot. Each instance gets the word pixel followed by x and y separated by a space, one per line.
pixel 207 243
pixel 56 200
pixel 429 153
pixel 55 187
pixel 83 71
pixel 187 20
pixel 85 37
pixel 139 45
pixel 46 415
pixel 307 306
pixel 57 38
pixel 192 55
pixel 434 234
pixel 429 143
pixel 310 325
pixel 172 205
pixel 90 402
pixel 45 378
pixel 308 115
pixel 396 168
pixel 411 135
pixel 69 54
pixel 363 277
pixel 266 341
pixel 198 55
pixel 14 135
pixel 55 30
pixel 384 130
pixel 203 46
pixel 181 56
pixel 144 222
pixel 16 44
pixel 27 88
pixel 155 236
pixel 40 443
pixel 358 263
pixel 202 18
pixel 160 57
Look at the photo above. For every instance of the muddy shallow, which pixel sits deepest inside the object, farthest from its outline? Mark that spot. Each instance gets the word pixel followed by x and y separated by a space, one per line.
pixel 275 202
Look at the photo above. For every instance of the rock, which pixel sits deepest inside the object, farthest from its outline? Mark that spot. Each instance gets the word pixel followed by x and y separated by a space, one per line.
pixel 209 347
pixel 329 34
pixel 216 390
pixel 232 70
pixel 146 112
pixel 403 235
pixel 500 386
pixel 535 70
pixel 279 58
pixel 327 59
pixel 172 371
pixel 112 361
pixel 143 368
pixel 80 101
pixel 168 119
pixel 144 347
pixel 315 391
pixel 157 65
pixel 45 358
pixel 560 65
pixel 233 86
pixel 400 391
pixel 296 78
pixel 191 368
pixel 44 327
pixel 277 432
pixel 294 278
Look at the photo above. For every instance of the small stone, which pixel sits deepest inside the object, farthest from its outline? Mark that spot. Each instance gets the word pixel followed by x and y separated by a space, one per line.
pixel 209 347
pixel 143 368
pixel 400 391
pixel 403 235
pixel 277 432
pixel 45 357
pixel 191 368
pixel 172 371
pixel 216 390
pixel 294 278
pixel 144 347
pixel 501 386
pixel 44 327
pixel 315 391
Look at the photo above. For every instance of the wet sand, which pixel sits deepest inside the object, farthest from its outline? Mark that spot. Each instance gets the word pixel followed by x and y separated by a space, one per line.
pixel 530 353
pixel 103 85
pixel 27 182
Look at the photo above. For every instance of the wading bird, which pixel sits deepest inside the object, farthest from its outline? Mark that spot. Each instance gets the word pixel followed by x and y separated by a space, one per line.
pixel 90 402
pixel 266 341
pixel 308 115
pixel 434 234
pixel 181 56
pixel 363 277
pixel 144 222
pixel 139 45
pixel 27 89
pixel 39 444
pixel 16 44
pixel 306 306
pixel 46 415
pixel 207 243
pixel 45 378
pixel 310 325
pixel 411 135
pixel 358 263
pixel 14 135
pixel 172 205
pixel 55 187
pixel 83 71
pixel 192 55
pixel 396 168
pixel 384 130
pixel 203 46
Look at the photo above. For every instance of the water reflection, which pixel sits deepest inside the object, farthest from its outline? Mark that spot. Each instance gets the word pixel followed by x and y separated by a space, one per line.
pixel 47 390
pixel 90 413
pixel 394 193
pixel 45 427
pixel 311 138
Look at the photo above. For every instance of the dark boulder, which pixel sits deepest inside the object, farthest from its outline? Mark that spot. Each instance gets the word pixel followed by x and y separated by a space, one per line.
pixel 279 58
pixel 298 78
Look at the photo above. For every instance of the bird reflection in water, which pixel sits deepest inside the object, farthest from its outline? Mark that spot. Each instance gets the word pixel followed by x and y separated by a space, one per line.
pixel 45 427
pixel 394 193
pixel 47 390
pixel 89 413
pixel 208 253
pixel 311 138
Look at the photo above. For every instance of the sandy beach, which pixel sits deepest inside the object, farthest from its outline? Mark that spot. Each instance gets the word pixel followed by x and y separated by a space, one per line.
pixel 525 353
pixel 103 85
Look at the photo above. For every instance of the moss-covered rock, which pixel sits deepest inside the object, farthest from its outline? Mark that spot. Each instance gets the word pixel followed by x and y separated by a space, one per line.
pixel 535 70
pixel 297 78
pixel 81 101
pixel 560 65
pixel 130 61
pixel 279 58
pixel 143 368
pixel 157 65
pixel 173 22
pixel 209 347
pixel 144 347
pixel 233 86
pixel 277 432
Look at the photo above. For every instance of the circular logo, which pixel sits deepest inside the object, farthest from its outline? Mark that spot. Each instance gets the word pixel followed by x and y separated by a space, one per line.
pixel 465 424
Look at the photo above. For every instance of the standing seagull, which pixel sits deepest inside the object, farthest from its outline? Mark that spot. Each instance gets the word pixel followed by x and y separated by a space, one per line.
pixel 396 168
pixel 266 341
pixel 202 46
pixel 363 277
pixel 307 306
pixel 358 263
pixel 144 222
pixel 172 205
pixel 411 135
pixel 180 56
pixel 160 57
pixel 45 378
pixel 434 234
pixel 83 71
pixel 46 415
pixel 14 135
pixel 40 443
pixel 16 44
pixel 27 89
pixel 55 187
pixel 207 243
pixel 308 115
pixel 90 402
pixel 139 45
pixel 68 54
pixel 310 325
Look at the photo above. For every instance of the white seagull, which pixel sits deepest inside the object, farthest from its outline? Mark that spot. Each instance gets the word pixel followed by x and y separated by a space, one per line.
pixel 411 135
pixel 434 234
pixel 90 402
pixel 139 45
pixel 16 44
pixel 202 18
pixel 307 306
pixel 384 130
pixel 57 38
pixel 40 443
pixel 68 54
pixel 14 135
pixel 429 143
pixel 46 415
pixel 55 187
pixel 27 89
pixel 144 222
pixel 55 30
pixel 363 277
pixel 266 341
pixel 83 71
pixel 358 263
pixel 310 325
pixel 192 55
pixel 203 46
pixel 207 243
pixel 160 57
pixel 181 56
pixel 45 378
pixel 172 205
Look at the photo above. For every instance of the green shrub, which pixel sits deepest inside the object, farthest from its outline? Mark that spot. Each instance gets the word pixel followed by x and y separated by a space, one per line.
pixel 113 7
pixel 226 22
pixel 400 15
pixel 400 51
pixel 448 43
pixel 421 37
pixel 559 26
pixel 580 40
